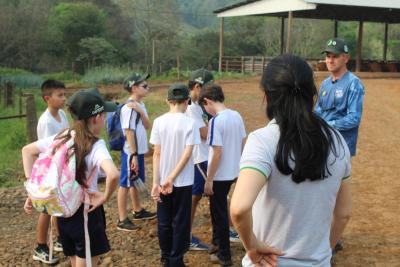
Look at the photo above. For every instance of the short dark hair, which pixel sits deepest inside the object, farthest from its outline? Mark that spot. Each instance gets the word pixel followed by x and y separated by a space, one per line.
pixel 191 84
pixel 213 92
pixel 49 85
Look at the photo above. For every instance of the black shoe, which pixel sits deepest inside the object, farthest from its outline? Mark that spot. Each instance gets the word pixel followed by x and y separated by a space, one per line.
pixel 42 254
pixel 143 215
pixel 126 225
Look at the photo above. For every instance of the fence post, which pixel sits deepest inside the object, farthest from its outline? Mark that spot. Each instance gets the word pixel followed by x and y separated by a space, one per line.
pixel 227 65
pixel 8 94
pixel 31 119
pixel 252 64
pixel 242 65
pixel 262 64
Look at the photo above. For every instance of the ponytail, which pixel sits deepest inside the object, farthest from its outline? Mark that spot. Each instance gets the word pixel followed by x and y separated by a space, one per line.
pixel 305 139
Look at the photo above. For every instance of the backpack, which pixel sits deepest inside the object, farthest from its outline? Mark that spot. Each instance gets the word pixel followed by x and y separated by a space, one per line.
pixel 116 138
pixel 53 188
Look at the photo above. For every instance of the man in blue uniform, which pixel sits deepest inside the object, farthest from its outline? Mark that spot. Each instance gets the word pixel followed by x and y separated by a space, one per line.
pixel 340 100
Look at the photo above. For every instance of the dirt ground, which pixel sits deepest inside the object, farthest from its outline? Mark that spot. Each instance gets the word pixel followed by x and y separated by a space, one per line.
pixel 372 237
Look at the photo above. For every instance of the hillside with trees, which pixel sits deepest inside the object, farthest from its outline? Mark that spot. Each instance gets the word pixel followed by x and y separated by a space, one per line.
pixel 57 35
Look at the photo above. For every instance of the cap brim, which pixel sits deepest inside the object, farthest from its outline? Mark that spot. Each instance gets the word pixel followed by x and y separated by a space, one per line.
pixel 333 51
pixel 110 106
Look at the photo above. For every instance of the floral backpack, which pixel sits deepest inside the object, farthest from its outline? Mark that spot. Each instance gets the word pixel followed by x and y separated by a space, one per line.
pixel 52 187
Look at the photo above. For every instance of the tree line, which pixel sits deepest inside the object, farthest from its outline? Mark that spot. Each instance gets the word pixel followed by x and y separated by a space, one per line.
pixel 57 35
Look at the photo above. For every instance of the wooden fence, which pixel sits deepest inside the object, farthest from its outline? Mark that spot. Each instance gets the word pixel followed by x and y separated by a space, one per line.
pixel 256 64
pixel 7 92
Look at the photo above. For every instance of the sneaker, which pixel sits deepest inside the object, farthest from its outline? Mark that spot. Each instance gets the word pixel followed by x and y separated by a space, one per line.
pixel 42 254
pixel 216 260
pixel 234 236
pixel 143 215
pixel 126 225
pixel 196 244
pixel 57 245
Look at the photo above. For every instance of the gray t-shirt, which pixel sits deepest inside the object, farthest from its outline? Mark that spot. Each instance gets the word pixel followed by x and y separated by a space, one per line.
pixel 295 218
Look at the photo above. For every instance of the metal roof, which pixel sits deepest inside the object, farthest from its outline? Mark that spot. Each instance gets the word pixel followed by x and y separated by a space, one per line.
pixel 387 11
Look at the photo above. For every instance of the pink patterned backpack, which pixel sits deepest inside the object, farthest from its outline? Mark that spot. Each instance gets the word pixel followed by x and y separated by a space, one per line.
pixel 53 189
pixel 52 186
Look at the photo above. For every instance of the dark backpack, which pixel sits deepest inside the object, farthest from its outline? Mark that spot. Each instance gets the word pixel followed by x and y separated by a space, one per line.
pixel 116 138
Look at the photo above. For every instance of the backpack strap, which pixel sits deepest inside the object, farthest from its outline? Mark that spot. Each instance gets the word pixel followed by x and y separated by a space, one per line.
pixel 86 204
pixel 138 117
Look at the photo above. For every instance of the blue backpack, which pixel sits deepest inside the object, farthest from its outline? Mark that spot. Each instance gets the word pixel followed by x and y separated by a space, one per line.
pixel 116 138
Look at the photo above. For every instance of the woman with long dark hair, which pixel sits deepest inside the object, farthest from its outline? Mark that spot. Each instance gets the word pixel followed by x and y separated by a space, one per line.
pixel 292 199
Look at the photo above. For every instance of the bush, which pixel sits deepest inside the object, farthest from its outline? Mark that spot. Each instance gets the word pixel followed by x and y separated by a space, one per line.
pixel 106 75
pixel 63 76
pixel 21 78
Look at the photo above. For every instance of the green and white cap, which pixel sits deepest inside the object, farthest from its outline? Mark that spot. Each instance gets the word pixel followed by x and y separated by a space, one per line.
pixel 201 76
pixel 134 79
pixel 87 103
pixel 336 46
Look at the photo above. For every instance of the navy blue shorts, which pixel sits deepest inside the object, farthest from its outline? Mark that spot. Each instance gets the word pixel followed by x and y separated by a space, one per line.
pixel 72 233
pixel 124 180
pixel 200 175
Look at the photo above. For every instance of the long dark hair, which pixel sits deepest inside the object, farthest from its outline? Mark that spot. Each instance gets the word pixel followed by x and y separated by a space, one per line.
pixel 83 144
pixel 305 138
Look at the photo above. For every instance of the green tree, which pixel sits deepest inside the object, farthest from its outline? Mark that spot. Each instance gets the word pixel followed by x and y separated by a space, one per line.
pixel 71 22
pixel 95 51
pixel 156 24
pixel 22 32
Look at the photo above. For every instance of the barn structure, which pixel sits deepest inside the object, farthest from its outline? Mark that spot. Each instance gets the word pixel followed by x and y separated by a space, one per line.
pixel 382 11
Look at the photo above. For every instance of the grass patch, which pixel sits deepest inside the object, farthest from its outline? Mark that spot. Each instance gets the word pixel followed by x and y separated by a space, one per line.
pixel 106 75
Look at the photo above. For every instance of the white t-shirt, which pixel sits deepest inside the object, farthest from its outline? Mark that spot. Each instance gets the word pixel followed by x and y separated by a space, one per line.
pixel 295 218
pixel 173 132
pixel 48 125
pixel 226 129
pixel 200 152
pixel 93 159
pixel 128 121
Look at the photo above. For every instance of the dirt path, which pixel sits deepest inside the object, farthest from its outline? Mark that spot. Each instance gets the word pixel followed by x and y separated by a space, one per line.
pixel 372 238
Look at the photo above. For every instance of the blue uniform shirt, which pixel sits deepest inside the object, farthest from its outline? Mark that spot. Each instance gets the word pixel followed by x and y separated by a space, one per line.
pixel 340 105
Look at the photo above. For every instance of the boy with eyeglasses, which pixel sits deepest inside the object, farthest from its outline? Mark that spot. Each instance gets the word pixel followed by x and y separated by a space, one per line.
pixel 132 155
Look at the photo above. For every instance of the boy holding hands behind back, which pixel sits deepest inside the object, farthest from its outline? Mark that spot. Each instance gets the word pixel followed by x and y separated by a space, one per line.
pixel 173 135
pixel 226 136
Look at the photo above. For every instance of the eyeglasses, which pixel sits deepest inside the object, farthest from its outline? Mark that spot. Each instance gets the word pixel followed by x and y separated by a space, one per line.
pixel 145 86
